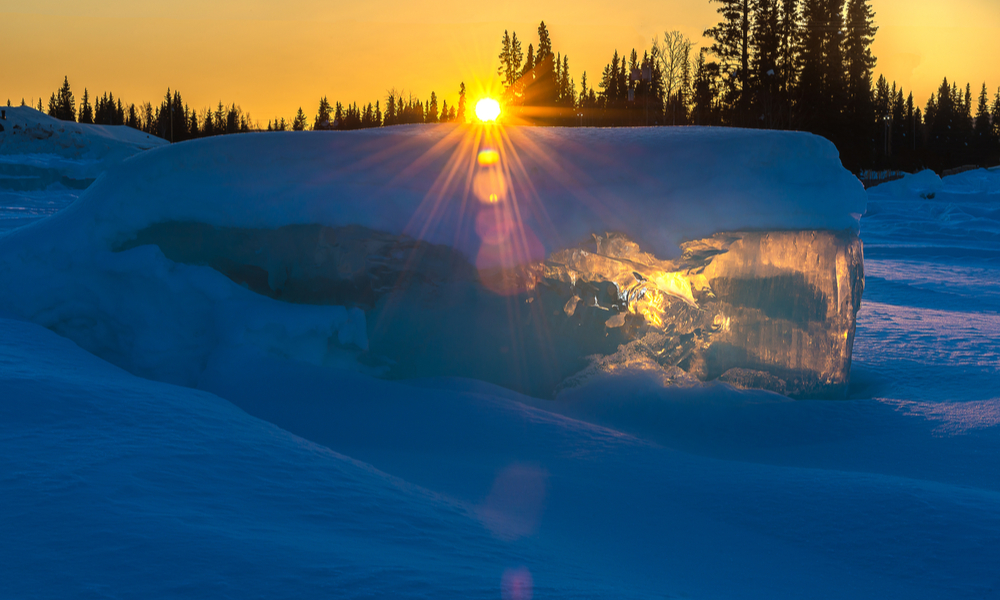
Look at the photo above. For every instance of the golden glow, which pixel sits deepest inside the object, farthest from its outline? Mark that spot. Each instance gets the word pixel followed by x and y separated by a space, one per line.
pixel 488 110
pixel 488 158
pixel 280 52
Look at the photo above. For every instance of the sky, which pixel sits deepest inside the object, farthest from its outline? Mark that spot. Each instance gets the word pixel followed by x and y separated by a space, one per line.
pixel 272 57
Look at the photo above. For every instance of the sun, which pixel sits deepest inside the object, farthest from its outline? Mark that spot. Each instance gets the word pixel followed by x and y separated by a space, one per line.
pixel 487 109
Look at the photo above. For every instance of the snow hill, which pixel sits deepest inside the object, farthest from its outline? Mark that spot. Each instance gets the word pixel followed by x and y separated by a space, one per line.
pixel 27 131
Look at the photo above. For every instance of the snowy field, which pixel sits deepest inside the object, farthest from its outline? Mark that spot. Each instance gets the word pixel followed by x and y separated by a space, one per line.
pixel 262 477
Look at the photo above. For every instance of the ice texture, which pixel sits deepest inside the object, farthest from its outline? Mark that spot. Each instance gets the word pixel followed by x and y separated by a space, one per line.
pixel 770 310
pixel 414 270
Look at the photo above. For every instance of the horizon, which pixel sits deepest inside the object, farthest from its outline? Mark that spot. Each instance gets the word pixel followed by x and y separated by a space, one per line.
pixel 138 53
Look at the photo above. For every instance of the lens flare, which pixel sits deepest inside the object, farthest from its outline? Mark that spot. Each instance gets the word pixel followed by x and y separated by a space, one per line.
pixel 488 158
pixel 487 109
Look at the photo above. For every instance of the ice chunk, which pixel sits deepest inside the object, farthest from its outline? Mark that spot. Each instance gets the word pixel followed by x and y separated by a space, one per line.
pixel 461 266
pixel 773 310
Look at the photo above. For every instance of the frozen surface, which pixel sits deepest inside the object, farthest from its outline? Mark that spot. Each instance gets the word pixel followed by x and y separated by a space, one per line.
pixel 45 163
pixel 324 480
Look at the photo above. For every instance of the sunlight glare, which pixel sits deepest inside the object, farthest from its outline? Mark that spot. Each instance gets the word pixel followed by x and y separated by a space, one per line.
pixel 487 109
pixel 488 158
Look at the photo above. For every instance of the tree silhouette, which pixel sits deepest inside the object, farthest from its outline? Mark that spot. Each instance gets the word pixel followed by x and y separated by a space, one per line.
pixel 86 111
pixel 299 124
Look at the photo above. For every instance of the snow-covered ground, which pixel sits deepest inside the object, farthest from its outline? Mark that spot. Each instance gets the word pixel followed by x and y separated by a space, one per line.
pixel 268 477
pixel 46 163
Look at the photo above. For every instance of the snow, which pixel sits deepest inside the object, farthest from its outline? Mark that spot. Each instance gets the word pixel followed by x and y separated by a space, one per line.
pixel 29 132
pixel 45 162
pixel 659 185
pixel 284 468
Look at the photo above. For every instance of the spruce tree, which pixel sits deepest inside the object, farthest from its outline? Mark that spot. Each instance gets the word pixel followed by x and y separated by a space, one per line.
pixel 86 111
pixel 705 91
pixel 788 36
pixel 731 45
pixel 984 128
pixel 995 114
pixel 822 94
pixel 506 62
pixel 766 49
pixel 390 108
pixel 460 115
pixel 65 106
pixel 859 63
pixel 432 109
pixel 544 43
pixel 299 124
pixel 542 90
pixel 322 120
pixel 529 62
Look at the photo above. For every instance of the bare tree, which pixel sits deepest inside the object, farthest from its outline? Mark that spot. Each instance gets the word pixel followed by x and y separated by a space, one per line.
pixel 674 53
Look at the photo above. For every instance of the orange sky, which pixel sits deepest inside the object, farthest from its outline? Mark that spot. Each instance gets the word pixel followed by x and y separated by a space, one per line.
pixel 271 57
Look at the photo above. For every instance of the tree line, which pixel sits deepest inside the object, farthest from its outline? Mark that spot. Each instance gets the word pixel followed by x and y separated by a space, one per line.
pixel 775 64
pixel 175 121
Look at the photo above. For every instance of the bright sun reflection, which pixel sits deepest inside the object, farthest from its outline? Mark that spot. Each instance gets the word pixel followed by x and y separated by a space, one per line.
pixel 487 109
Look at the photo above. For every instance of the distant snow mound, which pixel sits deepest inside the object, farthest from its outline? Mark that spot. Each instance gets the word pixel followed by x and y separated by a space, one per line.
pixel 27 131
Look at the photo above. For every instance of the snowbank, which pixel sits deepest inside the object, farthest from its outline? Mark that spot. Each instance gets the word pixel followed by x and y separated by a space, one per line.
pixel 660 185
pixel 29 132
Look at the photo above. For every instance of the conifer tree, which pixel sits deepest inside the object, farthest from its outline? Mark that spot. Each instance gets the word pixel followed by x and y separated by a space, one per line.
pixel 299 124
pixel 995 114
pixel 432 109
pixel 705 91
pixel 322 120
pixel 505 60
pixel 390 108
pixel 460 115
pixel 542 89
pixel 858 58
pixel 86 111
pixel 516 58
pixel 444 111
pixel 984 128
pixel 529 62
pixel 731 44
pixel 544 43
pixel 65 105
pixel 821 81
pixel 567 91
pixel 765 50
pixel 788 36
